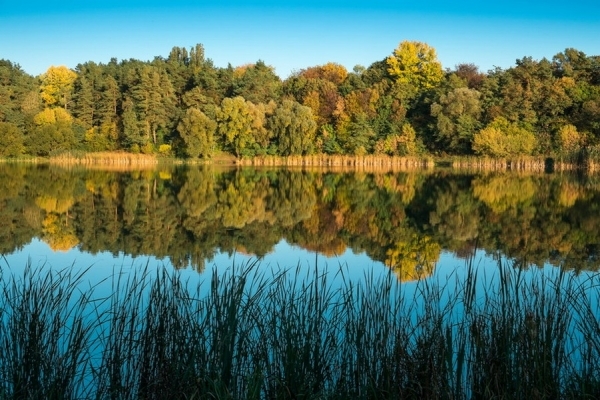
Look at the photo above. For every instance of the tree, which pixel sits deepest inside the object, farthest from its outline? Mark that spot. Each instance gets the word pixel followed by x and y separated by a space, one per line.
pixel 470 73
pixel 57 86
pixel 154 100
pixel 15 87
pixel 256 83
pixel 50 138
pixel 235 124
pixel 359 135
pixel 457 114
pixel 50 116
pixel 198 133
pixel 294 128
pixel 85 102
pixel 569 140
pixel 416 64
pixel 332 72
pixel 11 140
pixel 502 138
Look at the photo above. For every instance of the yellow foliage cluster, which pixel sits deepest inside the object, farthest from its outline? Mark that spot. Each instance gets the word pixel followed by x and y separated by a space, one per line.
pixel 502 192
pixel 415 258
pixel 415 63
pixel 50 116
pixel 57 85
pixel 502 138
pixel 53 205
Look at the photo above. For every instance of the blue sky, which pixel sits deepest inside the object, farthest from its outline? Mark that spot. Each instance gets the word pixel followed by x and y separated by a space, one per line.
pixel 293 35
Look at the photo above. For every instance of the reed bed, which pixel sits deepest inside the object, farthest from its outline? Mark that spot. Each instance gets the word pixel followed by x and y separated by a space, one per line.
pixel 294 335
pixel 536 164
pixel 105 159
pixel 332 162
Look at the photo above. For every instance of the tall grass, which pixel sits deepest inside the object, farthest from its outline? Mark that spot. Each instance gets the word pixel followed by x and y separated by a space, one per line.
pixel 295 334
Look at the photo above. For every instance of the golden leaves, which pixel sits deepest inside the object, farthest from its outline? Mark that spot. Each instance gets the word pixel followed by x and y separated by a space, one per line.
pixel 415 63
pixel 57 85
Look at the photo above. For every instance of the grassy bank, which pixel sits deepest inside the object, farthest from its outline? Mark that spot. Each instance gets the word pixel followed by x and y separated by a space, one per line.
pixel 243 336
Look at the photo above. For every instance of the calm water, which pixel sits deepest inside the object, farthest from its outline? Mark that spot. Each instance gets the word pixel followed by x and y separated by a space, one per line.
pixel 194 219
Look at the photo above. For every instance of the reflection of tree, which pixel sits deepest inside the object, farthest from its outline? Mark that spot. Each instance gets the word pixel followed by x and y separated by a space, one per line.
pixel 501 192
pixel 58 233
pixel 401 219
pixel 98 215
pixel 14 232
pixel 56 201
pixel 242 200
pixel 456 218
pixel 569 192
pixel 292 197
pixel 403 183
pixel 413 258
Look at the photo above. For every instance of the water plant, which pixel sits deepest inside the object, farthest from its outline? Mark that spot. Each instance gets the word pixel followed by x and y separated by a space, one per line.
pixel 292 333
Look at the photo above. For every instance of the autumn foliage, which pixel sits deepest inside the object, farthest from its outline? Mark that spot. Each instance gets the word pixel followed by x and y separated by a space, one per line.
pixel 404 104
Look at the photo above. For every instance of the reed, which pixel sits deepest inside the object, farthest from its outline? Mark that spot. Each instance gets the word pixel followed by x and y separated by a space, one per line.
pixel 367 163
pixel 523 163
pixel 116 158
pixel 293 334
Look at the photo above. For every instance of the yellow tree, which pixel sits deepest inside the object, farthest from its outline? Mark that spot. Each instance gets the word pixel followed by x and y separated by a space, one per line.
pixel 416 64
pixel 50 116
pixel 57 86
pixel 569 140
pixel 502 138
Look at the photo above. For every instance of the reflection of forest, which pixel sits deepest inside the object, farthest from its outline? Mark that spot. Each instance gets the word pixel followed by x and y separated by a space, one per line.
pixel 402 219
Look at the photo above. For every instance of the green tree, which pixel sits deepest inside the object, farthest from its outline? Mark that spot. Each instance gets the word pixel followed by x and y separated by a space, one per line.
pixel 85 103
pixel 154 100
pixel 359 135
pixel 293 127
pixel 50 138
pixel 257 83
pixel 457 114
pixel 15 87
pixel 198 133
pixel 11 140
pixel 235 124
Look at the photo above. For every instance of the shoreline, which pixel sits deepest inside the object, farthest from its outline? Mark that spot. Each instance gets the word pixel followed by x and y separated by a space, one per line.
pixel 381 163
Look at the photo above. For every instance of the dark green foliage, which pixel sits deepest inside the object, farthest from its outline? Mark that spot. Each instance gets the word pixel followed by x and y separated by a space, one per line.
pixel 51 139
pixel 11 140
pixel 257 83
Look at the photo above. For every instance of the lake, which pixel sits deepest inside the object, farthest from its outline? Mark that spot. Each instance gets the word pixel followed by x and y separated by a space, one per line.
pixel 436 268
pixel 198 217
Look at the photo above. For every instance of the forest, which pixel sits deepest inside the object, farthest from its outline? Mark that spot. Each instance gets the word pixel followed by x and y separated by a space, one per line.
pixel 405 104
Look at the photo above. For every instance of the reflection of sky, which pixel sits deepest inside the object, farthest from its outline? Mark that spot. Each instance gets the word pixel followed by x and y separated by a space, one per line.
pixel 104 265
pixel 449 275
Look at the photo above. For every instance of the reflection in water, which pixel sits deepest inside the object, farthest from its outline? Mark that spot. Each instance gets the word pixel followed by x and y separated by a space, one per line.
pixel 404 220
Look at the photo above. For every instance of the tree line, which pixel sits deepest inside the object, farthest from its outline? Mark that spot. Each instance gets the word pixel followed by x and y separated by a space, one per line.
pixel 405 104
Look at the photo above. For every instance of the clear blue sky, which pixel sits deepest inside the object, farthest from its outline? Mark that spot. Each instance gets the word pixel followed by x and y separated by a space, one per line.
pixel 291 35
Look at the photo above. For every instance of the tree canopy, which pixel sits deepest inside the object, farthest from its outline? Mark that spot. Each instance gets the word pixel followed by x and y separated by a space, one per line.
pixel 405 103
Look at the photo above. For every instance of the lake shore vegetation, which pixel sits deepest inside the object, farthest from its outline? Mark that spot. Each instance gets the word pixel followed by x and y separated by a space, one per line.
pixel 243 335
pixel 404 105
